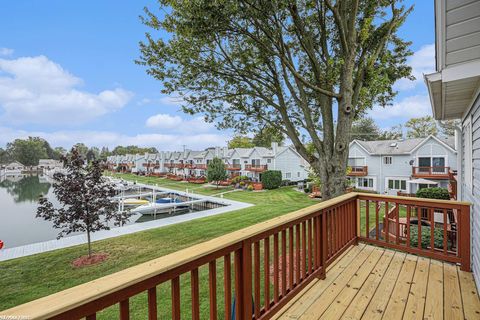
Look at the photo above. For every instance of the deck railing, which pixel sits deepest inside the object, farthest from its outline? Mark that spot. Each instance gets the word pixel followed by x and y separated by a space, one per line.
pixel 233 167
pixel 256 168
pixel 358 171
pixel 438 229
pixel 254 271
pixel 431 172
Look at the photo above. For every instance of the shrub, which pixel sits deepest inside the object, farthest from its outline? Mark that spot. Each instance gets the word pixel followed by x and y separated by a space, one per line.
pixel 426 235
pixel 434 193
pixel 238 179
pixel 272 179
pixel 250 187
pixel 286 183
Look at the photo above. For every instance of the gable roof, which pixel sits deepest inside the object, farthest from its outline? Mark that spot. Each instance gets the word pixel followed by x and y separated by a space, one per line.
pixel 398 147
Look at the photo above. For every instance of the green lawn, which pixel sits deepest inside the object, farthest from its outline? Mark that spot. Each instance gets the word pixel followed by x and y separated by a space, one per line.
pixel 32 277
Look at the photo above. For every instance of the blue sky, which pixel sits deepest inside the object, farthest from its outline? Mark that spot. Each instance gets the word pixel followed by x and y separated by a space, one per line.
pixel 67 73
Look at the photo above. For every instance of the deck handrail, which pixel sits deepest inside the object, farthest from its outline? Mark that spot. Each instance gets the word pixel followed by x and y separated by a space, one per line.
pixel 315 235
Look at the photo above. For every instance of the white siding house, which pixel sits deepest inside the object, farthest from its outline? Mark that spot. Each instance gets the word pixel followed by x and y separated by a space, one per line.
pixel 392 166
pixel 454 93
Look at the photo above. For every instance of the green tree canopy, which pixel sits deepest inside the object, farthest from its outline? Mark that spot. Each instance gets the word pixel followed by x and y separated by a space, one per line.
pixel 394 133
pixel 421 127
pixel 27 151
pixel 216 171
pixel 365 129
pixel 265 136
pixel 447 127
pixel 239 141
pixel 284 63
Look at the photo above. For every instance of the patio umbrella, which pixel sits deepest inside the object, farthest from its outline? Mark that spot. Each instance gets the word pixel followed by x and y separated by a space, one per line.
pixel 422 181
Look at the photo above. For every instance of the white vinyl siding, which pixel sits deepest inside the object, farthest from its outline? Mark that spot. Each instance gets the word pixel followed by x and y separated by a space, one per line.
pixel 468 173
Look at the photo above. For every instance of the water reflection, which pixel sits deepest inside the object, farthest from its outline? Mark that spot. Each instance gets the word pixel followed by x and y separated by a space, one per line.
pixel 25 188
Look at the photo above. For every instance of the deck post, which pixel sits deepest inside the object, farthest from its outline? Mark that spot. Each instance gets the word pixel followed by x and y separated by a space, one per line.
pixel 464 238
pixel 357 220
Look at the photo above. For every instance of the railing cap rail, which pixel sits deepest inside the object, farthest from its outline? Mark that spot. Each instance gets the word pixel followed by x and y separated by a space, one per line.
pixel 425 200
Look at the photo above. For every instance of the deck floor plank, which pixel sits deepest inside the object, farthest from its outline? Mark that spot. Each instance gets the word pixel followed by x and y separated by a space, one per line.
pixel 359 304
pixel 321 303
pixel 453 305
pixel 373 283
pixel 418 291
pixel 434 302
pixel 471 301
pixel 298 309
pixel 374 268
pixel 398 300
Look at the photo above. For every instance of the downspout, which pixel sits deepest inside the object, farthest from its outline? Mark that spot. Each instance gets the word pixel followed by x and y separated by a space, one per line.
pixel 459 148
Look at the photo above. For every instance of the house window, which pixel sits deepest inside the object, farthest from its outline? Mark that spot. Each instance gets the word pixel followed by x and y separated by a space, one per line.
pixel 298 174
pixel 387 160
pixel 236 161
pixel 255 162
pixel 397 184
pixel 269 160
pixel 365 182
pixel 288 175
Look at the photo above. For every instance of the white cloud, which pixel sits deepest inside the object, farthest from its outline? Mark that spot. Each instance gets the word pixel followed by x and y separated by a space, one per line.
pixel 111 139
pixel 6 52
pixel 422 62
pixel 37 90
pixel 161 122
pixel 409 107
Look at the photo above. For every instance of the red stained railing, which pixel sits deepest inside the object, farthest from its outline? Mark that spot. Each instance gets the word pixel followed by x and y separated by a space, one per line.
pixel 439 229
pixel 233 167
pixel 256 168
pixel 358 171
pixel 264 266
pixel 431 172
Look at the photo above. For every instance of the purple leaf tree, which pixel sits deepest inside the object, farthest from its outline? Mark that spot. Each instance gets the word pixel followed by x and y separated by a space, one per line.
pixel 86 200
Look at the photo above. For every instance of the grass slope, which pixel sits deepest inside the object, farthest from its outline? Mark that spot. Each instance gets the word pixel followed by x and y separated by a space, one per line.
pixel 32 277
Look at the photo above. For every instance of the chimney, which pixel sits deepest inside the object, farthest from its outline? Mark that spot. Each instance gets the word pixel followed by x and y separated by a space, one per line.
pixel 274 147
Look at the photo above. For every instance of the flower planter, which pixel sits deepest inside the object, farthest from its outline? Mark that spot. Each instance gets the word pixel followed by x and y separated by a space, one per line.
pixel 257 186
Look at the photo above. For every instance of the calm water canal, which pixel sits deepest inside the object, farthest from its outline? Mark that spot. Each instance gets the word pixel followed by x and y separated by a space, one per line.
pixel 18 207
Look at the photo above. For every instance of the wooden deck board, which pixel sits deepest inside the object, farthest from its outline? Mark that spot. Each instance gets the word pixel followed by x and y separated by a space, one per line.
pixel 375 283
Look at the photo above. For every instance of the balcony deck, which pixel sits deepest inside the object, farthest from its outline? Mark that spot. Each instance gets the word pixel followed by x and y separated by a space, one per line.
pixel 369 282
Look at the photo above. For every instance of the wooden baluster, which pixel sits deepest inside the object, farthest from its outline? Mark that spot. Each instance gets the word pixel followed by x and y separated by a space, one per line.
pixel 298 250
pixel 266 271
pixel 247 274
pixel 256 278
pixel 397 214
pixel 194 288
pixel 212 281
pixel 377 230
pixel 290 258
pixel 331 247
pixel 227 284
pixel 176 298
pixel 284 263
pixel 152 303
pixel 124 310
pixel 276 274
pixel 315 243
pixel 432 229
pixel 91 317
pixel 367 216
pixel 304 250
pixel 419 228
pixel 310 246
pixel 239 284
pixel 341 232
pixel 318 240
pixel 385 227
pixel 408 225
pixel 445 234
pixel 324 241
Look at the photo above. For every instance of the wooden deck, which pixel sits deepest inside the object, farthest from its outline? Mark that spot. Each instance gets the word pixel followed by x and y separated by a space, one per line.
pixel 368 282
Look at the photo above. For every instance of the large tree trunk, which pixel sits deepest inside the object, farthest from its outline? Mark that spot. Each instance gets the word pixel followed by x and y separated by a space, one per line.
pixel 332 171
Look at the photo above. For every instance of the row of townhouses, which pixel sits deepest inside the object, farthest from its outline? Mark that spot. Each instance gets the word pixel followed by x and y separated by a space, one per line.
pixel 250 162
pixel 402 166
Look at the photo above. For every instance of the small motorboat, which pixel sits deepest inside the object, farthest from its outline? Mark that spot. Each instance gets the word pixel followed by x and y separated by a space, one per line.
pixel 168 200
pixel 135 202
